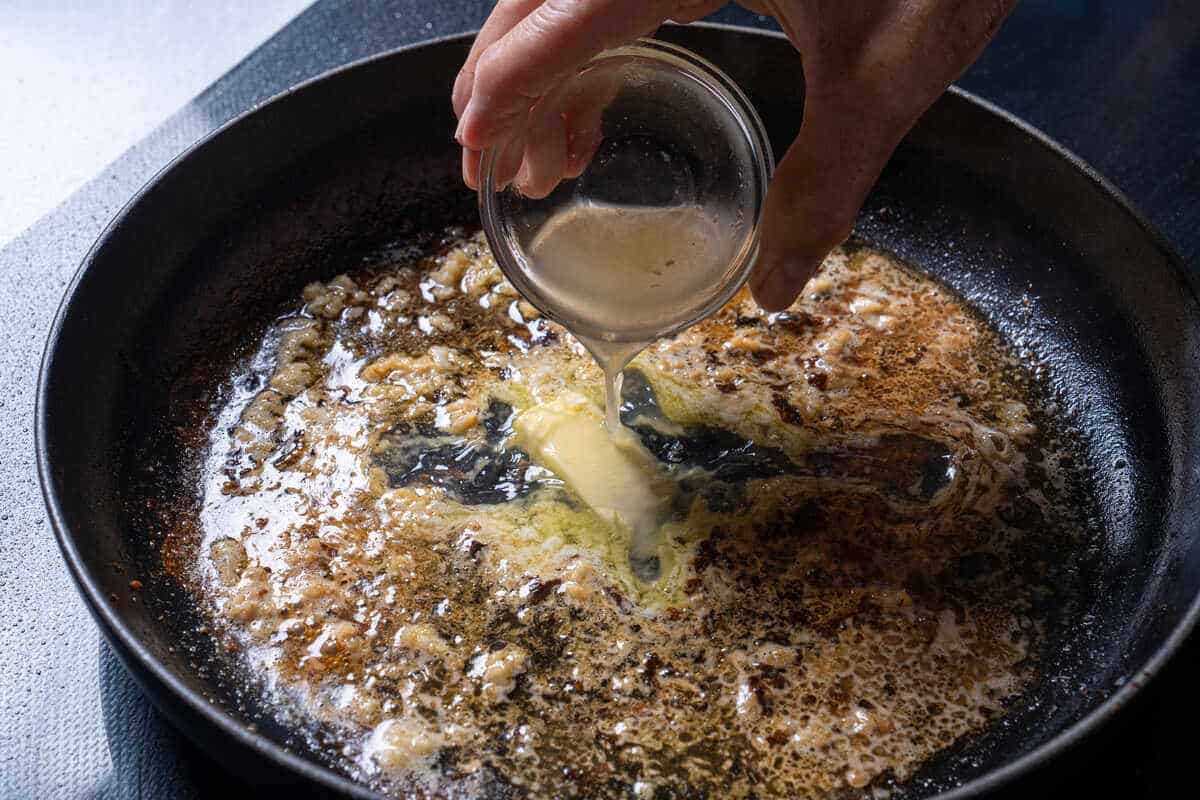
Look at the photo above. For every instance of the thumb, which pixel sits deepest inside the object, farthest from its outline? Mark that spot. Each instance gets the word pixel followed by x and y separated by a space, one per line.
pixel 816 193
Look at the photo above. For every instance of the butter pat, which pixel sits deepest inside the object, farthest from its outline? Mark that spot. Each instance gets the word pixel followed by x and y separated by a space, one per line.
pixel 614 474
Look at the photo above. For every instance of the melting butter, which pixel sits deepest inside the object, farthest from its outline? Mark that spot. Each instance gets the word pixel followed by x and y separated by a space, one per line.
pixel 612 472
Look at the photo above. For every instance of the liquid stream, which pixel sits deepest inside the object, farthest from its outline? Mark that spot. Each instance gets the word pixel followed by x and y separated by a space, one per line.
pixel 632 274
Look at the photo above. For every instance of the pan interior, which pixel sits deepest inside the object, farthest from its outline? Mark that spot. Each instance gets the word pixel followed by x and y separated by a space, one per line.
pixel 296 193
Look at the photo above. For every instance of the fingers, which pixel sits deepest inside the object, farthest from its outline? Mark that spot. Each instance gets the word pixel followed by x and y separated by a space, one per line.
pixel 816 193
pixel 504 170
pixel 526 48
pixel 504 16
pixel 584 117
pixel 508 162
pixel 545 151
pixel 563 133
pixel 471 160
pixel 584 134
pixel 869 75
pixel 582 143
pixel 552 41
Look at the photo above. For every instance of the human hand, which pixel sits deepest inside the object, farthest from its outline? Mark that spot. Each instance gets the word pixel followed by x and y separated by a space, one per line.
pixel 871 69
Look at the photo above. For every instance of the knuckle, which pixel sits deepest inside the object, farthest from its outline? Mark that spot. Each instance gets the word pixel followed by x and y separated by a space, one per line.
pixel 490 72
pixel 502 82
pixel 550 17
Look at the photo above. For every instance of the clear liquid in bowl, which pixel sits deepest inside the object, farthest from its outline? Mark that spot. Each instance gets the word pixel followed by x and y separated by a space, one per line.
pixel 623 270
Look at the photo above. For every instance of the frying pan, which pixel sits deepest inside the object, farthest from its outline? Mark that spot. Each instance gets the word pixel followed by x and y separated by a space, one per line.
pixel 192 270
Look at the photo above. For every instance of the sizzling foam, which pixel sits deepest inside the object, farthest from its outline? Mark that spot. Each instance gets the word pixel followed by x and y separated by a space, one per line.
pixel 854 538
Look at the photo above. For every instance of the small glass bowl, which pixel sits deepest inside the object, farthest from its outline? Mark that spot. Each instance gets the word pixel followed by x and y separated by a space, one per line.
pixel 674 133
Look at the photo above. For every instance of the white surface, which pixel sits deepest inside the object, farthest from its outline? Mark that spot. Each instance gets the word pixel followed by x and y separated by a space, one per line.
pixel 80 82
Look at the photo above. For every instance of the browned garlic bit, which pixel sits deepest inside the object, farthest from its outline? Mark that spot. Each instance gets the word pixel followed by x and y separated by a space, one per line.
pixel 459 622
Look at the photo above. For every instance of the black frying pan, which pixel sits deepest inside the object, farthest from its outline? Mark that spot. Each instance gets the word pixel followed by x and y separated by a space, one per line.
pixel 190 271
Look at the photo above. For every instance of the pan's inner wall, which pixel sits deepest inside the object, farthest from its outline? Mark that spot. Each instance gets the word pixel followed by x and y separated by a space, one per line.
pixel 298 190
pixel 1072 283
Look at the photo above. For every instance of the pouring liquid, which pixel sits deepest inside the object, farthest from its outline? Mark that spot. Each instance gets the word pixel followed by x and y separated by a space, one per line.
pixel 629 273
pixel 612 358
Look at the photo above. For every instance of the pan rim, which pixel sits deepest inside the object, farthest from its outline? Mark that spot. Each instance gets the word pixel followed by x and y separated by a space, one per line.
pixel 129 645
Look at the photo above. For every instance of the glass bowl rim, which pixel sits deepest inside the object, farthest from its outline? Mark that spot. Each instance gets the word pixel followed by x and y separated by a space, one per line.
pixel 755 136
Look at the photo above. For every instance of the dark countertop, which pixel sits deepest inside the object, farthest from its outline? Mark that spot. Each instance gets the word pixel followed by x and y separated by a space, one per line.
pixel 1117 81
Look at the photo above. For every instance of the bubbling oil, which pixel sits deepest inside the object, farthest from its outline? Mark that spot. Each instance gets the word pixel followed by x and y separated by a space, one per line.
pixel 865 509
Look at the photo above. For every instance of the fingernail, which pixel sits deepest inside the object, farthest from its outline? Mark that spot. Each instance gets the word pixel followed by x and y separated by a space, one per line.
pixel 759 277
pixel 772 288
pixel 463 123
